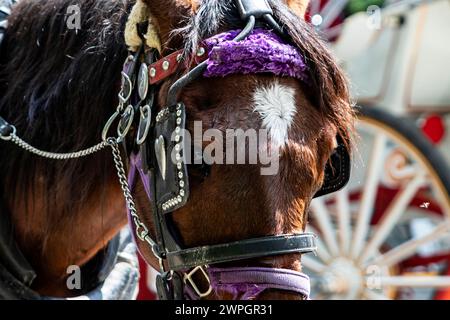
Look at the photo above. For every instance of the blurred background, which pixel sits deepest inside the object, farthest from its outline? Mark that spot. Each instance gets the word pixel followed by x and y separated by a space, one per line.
pixel 387 234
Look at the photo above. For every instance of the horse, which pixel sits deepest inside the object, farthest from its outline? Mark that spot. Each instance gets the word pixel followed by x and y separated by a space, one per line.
pixel 60 92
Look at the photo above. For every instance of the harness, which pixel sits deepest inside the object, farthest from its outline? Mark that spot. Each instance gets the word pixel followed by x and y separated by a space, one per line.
pixel 160 135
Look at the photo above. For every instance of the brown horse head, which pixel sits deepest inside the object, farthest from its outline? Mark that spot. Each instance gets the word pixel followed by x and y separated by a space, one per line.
pixel 236 202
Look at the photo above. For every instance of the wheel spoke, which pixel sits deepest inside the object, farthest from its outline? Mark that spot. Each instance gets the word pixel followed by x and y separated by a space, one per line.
pixel 369 194
pixel 312 264
pixel 326 227
pixel 343 215
pixel 331 11
pixel 396 209
pixel 315 7
pixel 409 248
pixel 416 281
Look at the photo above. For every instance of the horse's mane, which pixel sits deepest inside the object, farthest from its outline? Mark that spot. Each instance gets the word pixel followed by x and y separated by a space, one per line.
pixel 58 87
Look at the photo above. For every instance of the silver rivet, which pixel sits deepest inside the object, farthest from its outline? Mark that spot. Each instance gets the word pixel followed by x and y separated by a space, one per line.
pixel 152 72
pixel 179 106
pixel 166 65
pixel 178 113
pixel 180 175
pixel 177 138
pixel 181 183
pixel 178 121
pixel 179 198
pixel 177 156
pixel 164 207
pixel 201 51
pixel 182 192
pixel 177 147
pixel 179 166
pixel 177 130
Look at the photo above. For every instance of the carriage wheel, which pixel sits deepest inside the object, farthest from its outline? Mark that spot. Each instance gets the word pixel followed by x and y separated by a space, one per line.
pixel 327 17
pixel 387 234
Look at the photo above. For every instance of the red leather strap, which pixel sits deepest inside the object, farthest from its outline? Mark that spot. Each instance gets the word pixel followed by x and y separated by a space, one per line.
pixel 168 65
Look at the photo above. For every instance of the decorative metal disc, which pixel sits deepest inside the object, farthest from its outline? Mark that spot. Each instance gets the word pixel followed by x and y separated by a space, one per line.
pixel 143 81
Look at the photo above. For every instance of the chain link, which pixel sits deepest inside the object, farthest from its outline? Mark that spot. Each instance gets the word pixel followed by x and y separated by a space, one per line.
pixel 141 229
pixel 53 155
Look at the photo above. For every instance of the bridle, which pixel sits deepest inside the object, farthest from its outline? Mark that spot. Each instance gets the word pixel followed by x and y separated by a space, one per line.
pixel 166 182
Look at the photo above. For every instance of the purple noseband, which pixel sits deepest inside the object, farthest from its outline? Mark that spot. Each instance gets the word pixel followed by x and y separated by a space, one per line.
pixel 246 283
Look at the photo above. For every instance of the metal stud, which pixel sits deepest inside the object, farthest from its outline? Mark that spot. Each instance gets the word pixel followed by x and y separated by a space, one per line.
pixel 166 65
pixel 178 113
pixel 177 130
pixel 178 121
pixel 180 199
pixel 179 166
pixel 177 138
pixel 182 192
pixel 182 184
pixel 143 81
pixel 201 51
pixel 179 106
pixel 178 156
pixel 177 147
pixel 180 175
pixel 160 152
pixel 152 72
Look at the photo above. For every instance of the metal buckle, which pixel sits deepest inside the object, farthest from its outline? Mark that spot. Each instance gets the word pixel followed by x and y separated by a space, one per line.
pixel 188 278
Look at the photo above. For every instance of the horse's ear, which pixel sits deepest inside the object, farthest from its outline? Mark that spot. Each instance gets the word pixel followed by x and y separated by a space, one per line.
pixel 167 15
pixel 298 6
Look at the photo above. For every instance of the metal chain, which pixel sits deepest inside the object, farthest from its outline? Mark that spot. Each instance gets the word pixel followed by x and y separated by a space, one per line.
pixel 56 156
pixel 141 229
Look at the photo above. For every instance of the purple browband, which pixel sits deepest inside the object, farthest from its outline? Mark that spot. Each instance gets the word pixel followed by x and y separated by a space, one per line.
pixel 243 283
pixel 263 51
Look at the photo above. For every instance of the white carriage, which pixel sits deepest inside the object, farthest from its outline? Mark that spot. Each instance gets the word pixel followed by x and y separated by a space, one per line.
pixel 387 234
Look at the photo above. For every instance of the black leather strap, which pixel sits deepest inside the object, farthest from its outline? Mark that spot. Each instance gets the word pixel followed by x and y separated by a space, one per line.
pixel 256 8
pixel 241 250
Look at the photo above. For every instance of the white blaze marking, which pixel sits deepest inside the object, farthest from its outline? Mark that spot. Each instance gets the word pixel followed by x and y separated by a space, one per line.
pixel 276 105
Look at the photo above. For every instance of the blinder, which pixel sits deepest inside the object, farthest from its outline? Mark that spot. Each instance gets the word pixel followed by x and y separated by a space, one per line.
pixel 171 175
pixel 337 170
